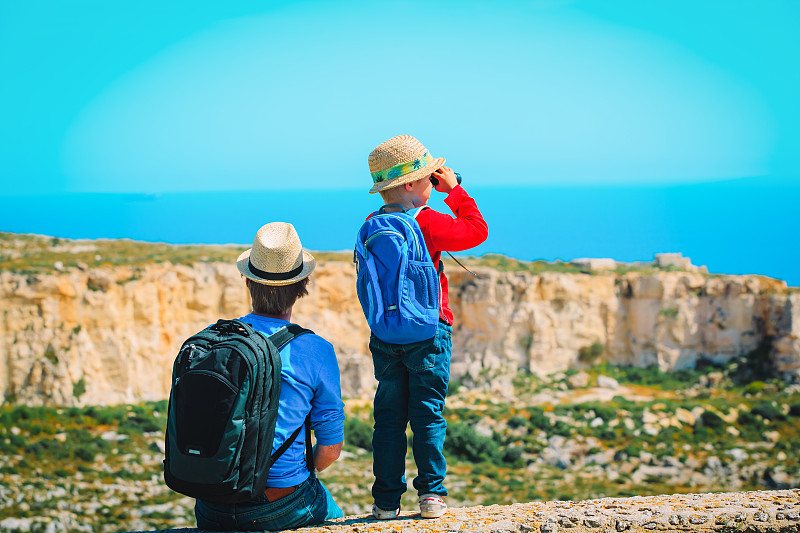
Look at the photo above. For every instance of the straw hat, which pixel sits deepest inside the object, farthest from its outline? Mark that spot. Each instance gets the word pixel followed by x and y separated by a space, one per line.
pixel 277 257
pixel 400 160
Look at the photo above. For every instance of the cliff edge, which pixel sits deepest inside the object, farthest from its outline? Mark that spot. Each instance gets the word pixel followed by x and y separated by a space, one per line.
pixel 109 334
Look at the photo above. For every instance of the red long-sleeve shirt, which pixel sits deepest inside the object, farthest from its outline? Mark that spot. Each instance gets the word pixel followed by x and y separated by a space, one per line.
pixel 443 233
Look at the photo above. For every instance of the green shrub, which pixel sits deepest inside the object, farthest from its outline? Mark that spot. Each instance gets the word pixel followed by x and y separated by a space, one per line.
pixel 139 424
pixel 669 312
pixel 710 420
pixel 526 341
pixel 50 355
pixel 108 416
pixel 17 441
pixel 538 420
pixel 632 450
pixel 653 376
pixel 750 425
pixel 84 453
pixel 604 433
pixel 768 411
pixel 754 387
pixel 516 421
pixel 605 412
pixel 561 428
pixel 589 354
pixel 756 365
pixel 794 409
pixel 621 402
pixel 358 433
pixel 464 442
pixel 79 388
pixel 47 448
pixel 80 436
pixel 513 456
pixel 21 412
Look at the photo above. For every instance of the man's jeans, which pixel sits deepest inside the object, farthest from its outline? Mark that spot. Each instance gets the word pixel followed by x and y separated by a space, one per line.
pixel 310 504
pixel 412 386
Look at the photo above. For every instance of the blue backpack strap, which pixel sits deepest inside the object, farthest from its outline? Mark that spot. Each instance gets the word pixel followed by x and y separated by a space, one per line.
pixel 382 210
pixel 375 299
pixel 417 210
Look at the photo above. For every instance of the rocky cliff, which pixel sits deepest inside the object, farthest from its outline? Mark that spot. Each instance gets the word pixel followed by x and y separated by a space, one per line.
pixel 104 335
pixel 552 321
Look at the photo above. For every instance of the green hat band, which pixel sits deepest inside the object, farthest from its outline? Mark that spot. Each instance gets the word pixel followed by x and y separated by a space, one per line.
pixel 402 169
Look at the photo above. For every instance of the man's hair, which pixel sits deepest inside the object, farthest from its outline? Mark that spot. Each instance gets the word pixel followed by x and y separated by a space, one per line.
pixel 275 299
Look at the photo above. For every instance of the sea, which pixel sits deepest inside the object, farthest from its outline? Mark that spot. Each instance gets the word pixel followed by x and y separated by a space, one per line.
pixel 748 226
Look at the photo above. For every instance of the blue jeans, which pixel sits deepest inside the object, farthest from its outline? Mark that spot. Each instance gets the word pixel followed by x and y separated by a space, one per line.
pixel 412 386
pixel 310 504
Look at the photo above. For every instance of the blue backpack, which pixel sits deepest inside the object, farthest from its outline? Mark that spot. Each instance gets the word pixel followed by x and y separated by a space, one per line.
pixel 396 281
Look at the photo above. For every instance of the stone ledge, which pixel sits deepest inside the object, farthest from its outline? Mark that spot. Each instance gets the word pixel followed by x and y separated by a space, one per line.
pixel 757 511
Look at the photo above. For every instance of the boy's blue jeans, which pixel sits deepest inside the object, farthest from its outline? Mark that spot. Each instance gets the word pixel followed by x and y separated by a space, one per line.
pixel 412 386
pixel 310 504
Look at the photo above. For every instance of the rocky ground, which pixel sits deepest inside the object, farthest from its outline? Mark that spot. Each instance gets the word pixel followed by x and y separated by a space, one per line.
pixel 766 511
pixel 737 511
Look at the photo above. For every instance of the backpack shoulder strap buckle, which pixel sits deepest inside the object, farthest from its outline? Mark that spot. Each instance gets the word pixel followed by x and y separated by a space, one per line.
pixel 286 334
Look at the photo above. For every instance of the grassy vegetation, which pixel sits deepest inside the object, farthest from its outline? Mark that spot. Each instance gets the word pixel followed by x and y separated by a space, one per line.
pixel 92 457
pixel 33 254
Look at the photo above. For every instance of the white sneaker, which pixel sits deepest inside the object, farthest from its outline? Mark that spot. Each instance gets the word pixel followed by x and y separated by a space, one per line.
pixel 432 506
pixel 382 514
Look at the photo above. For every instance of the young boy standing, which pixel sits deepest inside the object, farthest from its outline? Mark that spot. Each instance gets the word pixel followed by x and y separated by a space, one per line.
pixel 413 378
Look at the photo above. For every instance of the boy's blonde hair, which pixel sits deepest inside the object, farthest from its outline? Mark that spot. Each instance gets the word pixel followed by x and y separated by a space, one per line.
pixel 395 195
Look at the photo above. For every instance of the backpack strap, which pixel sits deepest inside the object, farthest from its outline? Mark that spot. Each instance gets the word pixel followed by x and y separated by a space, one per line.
pixel 285 446
pixel 287 334
pixel 417 210
pixel 382 210
pixel 309 448
pixel 281 338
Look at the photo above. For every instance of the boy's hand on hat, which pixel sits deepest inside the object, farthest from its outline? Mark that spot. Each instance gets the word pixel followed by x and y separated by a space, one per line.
pixel 447 179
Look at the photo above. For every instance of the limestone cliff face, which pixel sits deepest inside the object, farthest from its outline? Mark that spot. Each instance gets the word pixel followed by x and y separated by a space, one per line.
pixel 97 336
pixel 511 321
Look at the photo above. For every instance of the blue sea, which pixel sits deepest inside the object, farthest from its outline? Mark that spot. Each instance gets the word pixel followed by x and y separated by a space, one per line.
pixel 747 226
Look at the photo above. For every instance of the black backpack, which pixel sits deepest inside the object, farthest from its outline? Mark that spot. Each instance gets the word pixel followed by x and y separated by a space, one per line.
pixel 223 405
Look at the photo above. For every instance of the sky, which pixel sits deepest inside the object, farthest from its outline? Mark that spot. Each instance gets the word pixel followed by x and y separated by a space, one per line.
pixel 154 97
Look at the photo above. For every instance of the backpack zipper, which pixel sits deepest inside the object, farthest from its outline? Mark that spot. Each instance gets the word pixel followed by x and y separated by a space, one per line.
pixel 414 234
pixel 378 234
pixel 253 348
pixel 186 359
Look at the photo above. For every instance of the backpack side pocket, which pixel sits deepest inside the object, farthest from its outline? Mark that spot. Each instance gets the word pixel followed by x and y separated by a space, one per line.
pixel 423 284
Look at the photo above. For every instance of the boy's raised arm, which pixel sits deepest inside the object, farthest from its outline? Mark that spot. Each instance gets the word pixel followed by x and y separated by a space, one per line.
pixel 467 230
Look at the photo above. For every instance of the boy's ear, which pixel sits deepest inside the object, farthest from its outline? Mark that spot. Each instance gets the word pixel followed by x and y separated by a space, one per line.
pixel 409 186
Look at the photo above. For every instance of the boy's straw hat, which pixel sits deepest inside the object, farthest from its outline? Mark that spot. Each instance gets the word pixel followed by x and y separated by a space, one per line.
pixel 400 160
pixel 277 257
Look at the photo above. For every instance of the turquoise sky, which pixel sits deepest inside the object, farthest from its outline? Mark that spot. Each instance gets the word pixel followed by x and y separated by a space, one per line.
pixel 154 96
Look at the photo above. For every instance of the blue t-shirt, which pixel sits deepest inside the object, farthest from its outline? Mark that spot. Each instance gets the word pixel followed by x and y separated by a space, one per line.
pixel 309 382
